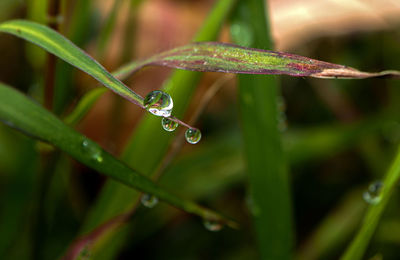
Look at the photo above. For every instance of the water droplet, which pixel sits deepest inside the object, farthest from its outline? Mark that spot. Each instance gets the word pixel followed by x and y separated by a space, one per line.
pixel 85 253
pixel 192 135
pixel 253 207
pixel 149 200
pixel 282 120
pixel 158 103
pixel 212 225
pixel 282 123
pixel 168 124
pixel 373 193
pixel 93 149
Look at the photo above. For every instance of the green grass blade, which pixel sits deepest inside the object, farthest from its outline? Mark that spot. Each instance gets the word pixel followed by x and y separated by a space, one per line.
pixel 357 248
pixel 22 113
pixel 229 58
pixel 64 49
pixel 266 164
pixel 84 105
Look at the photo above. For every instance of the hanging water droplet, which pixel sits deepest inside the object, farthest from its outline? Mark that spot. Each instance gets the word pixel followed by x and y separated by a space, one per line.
pixel 158 103
pixel 192 135
pixel 93 150
pixel 168 124
pixel 149 200
pixel 212 225
pixel 373 193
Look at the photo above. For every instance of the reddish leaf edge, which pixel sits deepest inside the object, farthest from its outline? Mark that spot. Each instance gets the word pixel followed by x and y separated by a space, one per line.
pixel 231 58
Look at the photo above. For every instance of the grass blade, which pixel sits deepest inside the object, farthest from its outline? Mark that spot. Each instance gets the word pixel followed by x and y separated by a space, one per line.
pixel 19 112
pixel 359 245
pixel 64 49
pixel 266 166
pixel 229 58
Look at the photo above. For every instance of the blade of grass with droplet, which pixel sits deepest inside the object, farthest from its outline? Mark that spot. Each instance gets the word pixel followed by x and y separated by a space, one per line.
pixel 359 244
pixel 266 165
pixel 64 49
pixel 20 112
pixel 149 142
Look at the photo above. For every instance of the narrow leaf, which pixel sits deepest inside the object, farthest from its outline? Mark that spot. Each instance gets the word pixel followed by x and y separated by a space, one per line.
pixel 21 113
pixel 64 49
pixel 230 58
pixel 266 164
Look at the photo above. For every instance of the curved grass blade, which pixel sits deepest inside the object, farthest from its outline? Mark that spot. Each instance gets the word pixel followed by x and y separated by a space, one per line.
pixel 22 113
pixel 357 248
pixel 64 49
pixel 230 58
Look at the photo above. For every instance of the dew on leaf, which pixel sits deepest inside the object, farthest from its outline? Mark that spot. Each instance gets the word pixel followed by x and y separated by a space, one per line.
pixel 192 135
pixel 168 125
pixel 158 103
pixel 149 200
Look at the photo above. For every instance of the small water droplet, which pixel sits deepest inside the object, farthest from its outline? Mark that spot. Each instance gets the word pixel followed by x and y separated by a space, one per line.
pixel 168 125
pixel 212 225
pixel 85 253
pixel 149 200
pixel 158 103
pixel 253 207
pixel 192 135
pixel 282 123
pixel 373 193
pixel 93 150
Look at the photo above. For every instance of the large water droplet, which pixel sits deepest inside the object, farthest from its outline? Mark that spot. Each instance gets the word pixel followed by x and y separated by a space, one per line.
pixel 168 124
pixel 212 225
pixel 158 103
pixel 93 150
pixel 373 193
pixel 192 135
pixel 149 200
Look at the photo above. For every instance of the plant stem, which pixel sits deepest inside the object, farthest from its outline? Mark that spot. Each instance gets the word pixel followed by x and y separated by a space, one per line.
pixel 266 164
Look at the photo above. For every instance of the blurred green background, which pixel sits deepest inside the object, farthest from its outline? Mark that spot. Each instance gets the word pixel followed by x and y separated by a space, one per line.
pixel 339 136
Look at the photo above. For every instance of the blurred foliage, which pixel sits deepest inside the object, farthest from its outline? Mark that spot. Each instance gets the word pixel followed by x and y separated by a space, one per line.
pixel 340 136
